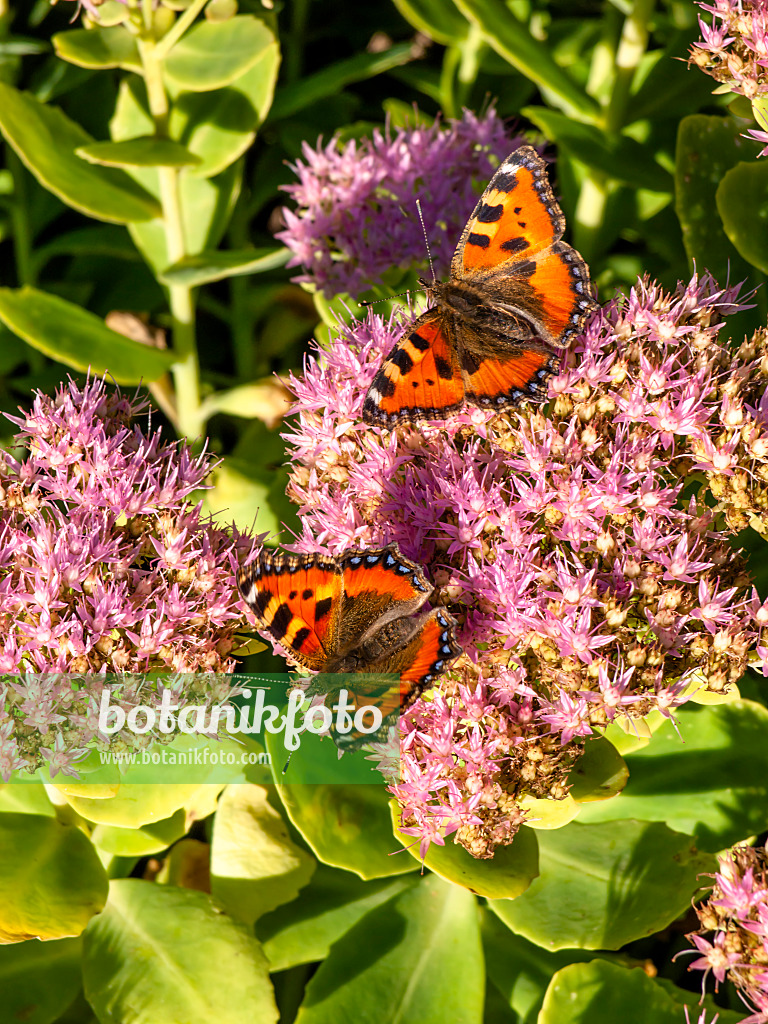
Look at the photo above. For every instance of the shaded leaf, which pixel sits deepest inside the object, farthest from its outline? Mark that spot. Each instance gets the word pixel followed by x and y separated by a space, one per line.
pixel 141 152
pixel 98 48
pixel 742 202
pixel 39 979
pixel 215 265
pixel 214 53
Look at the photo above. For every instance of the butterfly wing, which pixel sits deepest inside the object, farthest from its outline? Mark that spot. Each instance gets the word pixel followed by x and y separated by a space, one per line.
pixel 296 600
pixel 380 586
pixel 497 380
pixel 431 647
pixel 511 251
pixel 420 379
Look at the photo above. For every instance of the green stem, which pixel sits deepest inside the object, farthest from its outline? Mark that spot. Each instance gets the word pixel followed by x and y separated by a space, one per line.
pixel 632 47
pixel 186 369
pixel 174 34
pixel 472 50
pixel 294 51
pixel 22 236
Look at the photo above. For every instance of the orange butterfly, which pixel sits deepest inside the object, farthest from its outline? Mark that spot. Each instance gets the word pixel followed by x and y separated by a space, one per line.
pixel 359 613
pixel 515 293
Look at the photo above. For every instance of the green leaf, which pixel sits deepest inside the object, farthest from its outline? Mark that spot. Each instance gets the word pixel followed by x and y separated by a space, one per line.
pixel 617 156
pixel 40 979
pixel 161 955
pixel 255 866
pixel 75 337
pixel 505 876
pixel 600 773
pixel 52 882
pixel 305 930
pixel 600 886
pixel 251 496
pixel 512 40
pixel 604 993
pixel 417 960
pixel 46 140
pixel 707 148
pixel 213 54
pixel 742 202
pixel 346 826
pixel 437 19
pixel 685 776
pixel 140 842
pixel 99 48
pixel 331 80
pixel 220 126
pixel 216 265
pixel 142 152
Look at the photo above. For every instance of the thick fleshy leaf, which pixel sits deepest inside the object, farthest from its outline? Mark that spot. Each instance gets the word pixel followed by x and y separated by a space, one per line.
pixel 142 152
pixel 601 886
pixel 134 805
pixel 251 496
pixel 707 148
pixel 742 202
pixel 604 993
pixel 160 955
pixel 255 865
pixel 505 876
pixel 99 48
pixel 346 826
pixel 46 140
pixel 216 265
pixel 140 842
pixel 52 882
pixel 512 40
pixel 417 960
pixel 75 337
pixel 39 979
pixel 334 901
pixel 617 156
pixel 212 54
pixel 266 399
pixel 219 126
pixel 685 776
pixel 26 798
pixel 600 773
pixel 332 79
pixel 437 19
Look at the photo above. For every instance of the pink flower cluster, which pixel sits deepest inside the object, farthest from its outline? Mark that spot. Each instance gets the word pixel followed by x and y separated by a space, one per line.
pixel 734 50
pixel 106 566
pixel 592 577
pixel 356 220
pixel 736 913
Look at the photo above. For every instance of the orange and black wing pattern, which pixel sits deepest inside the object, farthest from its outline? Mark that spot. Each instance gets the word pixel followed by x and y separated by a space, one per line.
pixel 430 650
pixel 499 381
pixel 511 249
pixel 420 379
pixel 379 586
pixel 296 600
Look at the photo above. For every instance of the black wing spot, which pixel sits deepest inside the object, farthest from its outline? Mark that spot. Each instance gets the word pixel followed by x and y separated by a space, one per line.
pixel 263 597
pixel 280 624
pixel 384 386
pixel 443 368
pixel 521 223
pixel 306 594
pixel 482 241
pixel 489 214
pixel 322 608
pixel 504 181
pixel 300 637
pixel 293 595
pixel 517 210
pixel 415 384
pixel 418 341
pixel 430 382
pixel 524 269
pixel 515 245
pixel 402 361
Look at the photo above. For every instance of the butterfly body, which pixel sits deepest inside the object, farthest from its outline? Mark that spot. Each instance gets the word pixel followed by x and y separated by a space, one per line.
pixel 516 295
pixel 360 613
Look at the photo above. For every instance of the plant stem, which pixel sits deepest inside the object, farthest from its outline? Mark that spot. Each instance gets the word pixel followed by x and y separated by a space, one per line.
pixel 181 25
pixel 186 370
pixel 632 46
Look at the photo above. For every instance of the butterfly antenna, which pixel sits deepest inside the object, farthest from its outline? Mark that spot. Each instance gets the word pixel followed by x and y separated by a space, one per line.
pixel 426 241
pixel 374 302
pixel 285 766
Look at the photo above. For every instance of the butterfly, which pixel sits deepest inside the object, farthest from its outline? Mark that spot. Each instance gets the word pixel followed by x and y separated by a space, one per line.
pixel 360 613
pixel 515 293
